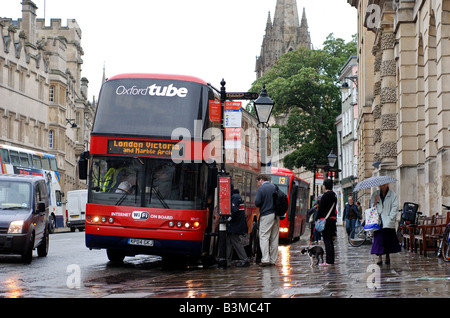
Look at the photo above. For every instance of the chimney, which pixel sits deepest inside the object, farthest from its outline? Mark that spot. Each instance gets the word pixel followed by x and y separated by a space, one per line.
pixel 29 20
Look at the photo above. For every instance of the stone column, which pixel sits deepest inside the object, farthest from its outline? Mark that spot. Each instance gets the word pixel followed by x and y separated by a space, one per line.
pixel 388 102
pixel 409 57
pixel 442 137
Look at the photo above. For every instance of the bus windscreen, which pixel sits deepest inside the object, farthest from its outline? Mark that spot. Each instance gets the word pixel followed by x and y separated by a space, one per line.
pixel 149 107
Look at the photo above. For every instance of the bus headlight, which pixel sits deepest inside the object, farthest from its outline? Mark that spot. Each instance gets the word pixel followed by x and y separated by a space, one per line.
pixel 284 229
pixel 15 227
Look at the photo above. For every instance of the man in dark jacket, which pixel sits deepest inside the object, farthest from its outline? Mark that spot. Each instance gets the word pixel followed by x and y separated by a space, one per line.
pixel 236 227
pixel 269 223
pixel 351 215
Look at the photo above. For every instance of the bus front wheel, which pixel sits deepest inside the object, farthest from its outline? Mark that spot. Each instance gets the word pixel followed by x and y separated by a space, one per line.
pixel 115 256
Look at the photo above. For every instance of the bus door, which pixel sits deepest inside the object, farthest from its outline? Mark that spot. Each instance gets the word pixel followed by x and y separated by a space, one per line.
pixel 292 211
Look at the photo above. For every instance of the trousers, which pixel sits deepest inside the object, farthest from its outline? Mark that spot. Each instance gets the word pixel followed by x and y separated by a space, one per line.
pixel 269 230
pixel 234 242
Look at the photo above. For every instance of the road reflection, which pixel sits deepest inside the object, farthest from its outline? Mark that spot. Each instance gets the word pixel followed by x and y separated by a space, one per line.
pixel 13 289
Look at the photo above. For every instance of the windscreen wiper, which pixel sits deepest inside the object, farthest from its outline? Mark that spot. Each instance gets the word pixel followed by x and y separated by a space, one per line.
pixel 160 197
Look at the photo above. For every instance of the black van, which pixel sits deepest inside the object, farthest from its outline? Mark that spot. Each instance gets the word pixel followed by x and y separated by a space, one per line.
pixel 24 216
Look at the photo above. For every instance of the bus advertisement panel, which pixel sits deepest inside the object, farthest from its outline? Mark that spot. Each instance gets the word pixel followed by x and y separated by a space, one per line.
pixel 153 172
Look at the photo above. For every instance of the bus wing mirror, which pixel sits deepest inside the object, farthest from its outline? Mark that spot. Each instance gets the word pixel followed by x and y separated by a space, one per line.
pixel 83 165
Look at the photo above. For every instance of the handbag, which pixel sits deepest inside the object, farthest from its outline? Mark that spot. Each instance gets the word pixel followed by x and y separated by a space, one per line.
pixel 372 220
pixel 320 224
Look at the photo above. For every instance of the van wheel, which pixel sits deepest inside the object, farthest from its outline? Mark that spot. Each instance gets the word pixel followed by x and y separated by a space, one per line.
pixel 27 255
pixel 42 249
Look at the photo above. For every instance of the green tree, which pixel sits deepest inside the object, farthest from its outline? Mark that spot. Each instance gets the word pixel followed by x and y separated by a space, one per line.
pixel 304 85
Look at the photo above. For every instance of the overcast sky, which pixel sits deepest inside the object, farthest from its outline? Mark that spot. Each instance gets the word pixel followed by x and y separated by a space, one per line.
pixel 210 39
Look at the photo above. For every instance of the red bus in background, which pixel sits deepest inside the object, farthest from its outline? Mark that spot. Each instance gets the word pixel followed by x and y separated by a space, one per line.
pixel 294 224
pixel 152 173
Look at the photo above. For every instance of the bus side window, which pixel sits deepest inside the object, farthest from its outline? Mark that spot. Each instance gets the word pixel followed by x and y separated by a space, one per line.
pixel 14 158
pixel 37 164
pixel 24 160
pixel 45 163
pixel 4 155
pixel 53 164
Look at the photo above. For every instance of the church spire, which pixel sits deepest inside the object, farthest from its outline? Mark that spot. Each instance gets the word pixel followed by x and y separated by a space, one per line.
pixel 286 14
pixel 304 20
pixel 283 35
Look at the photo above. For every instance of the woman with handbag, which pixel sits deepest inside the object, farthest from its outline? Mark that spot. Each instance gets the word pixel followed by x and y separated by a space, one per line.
pixel 327 209
pixel 385 240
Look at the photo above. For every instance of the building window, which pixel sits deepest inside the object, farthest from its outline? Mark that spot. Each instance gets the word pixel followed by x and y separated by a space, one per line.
pixel 51 94
pixel 51 139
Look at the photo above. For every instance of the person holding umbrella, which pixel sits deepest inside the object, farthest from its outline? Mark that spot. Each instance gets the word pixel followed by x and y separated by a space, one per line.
pixel 385 240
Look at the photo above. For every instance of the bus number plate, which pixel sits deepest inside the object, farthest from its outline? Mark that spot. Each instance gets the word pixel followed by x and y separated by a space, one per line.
pixel 141 242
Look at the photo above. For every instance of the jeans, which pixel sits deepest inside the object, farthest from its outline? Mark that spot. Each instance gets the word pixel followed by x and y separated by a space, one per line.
pixel 350 225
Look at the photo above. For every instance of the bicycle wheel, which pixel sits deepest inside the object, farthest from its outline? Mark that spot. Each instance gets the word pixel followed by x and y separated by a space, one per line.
pixel 446 245
pixel 357 236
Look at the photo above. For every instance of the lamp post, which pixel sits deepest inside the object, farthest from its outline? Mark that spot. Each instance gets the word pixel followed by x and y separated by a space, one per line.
pixel 264 106
pixel 331 161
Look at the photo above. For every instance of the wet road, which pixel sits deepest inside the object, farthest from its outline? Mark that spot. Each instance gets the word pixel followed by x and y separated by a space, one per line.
pixel 71 270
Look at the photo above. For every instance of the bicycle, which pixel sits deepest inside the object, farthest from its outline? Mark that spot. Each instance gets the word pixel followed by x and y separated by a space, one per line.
pixel 409 216
pixel 444 246
pixel 358 236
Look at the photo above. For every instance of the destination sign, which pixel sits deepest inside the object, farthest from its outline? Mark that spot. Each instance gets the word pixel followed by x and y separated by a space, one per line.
pixel 158 149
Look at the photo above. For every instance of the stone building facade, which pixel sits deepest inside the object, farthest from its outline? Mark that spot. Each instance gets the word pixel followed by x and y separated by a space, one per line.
pixel 404 97
pixel 43 98
pixel 347 150
pixel 283 35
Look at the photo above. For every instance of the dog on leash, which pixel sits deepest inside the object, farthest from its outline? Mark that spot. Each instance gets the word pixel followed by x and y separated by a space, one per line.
pixel 315 251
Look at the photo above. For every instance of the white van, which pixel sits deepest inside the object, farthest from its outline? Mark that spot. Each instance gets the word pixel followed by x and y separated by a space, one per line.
pixel 76 209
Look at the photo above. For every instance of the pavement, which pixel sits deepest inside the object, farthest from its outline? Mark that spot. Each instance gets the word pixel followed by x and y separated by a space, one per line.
pixel 354 275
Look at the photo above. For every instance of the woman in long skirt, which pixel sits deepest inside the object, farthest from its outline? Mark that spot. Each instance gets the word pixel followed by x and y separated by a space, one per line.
pixel 385 240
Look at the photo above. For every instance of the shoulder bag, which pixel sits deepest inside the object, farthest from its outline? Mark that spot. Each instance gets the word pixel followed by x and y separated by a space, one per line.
pixel 320 224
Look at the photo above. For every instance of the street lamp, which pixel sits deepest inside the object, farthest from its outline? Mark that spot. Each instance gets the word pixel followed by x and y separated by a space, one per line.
pixel 72 123
pixel 331 158
pixel 263 105
pixel 345 87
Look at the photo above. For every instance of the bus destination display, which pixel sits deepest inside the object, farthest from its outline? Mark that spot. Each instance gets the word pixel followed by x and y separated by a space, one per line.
pixel 159 149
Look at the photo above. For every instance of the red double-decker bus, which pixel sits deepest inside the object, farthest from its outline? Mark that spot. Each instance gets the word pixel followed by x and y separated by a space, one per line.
pixel 153 172
pixel 294 224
